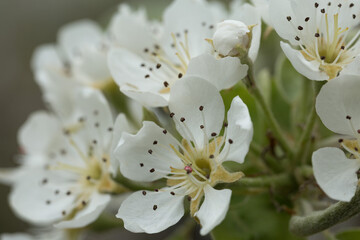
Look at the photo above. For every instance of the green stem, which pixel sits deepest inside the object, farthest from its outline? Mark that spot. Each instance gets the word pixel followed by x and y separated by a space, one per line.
pixel 321 220
pixel 305 136
pixel 267 181
pixel 271 162
pixel 251 84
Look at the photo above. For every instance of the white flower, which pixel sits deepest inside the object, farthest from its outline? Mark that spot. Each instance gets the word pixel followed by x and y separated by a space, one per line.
pixel 231 38
pixel 337 106
pixel 40 234
pixel 66 176
pixel 147 69
pixel 263 7
pixel 192 166
pixel 322 34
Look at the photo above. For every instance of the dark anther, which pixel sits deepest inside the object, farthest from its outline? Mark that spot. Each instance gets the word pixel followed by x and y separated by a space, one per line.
pixel 288 18
pixel 307 19
pixel 147 76
pixel 201 108
pixel 172 193
pixel 180 75
pixel 144 193
pixel 164 131
pixel 230 141
pixel 300 28
pixel 166 84
pixel 317 35
pixel 155 207
pixel 158 65
pixel 182 119
pixel 201 126
pixel 141 164
pixel 348 117
pixel 152 170
pixel 172 115
pixel 297 38
pixel 155 142
pixel 150 151
pixel 213 134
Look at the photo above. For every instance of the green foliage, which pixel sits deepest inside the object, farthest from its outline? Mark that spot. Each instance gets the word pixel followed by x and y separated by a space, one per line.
pixel 352 234
pixel 254 218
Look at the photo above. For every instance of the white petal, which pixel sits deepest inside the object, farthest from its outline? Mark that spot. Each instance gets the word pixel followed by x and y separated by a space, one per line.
pixel 89 214
pixel 46 57
pixel 353 68
pixel 28 199
pixel 126 69
pixel 196 13
pixel 335 173
pixel 138 154
pixel 214 208
pixel 279 11
pixel 38 132
pixel 308 69
pixel 131 30
pixel 186 96
pixel 222 73
pixel 338 99
pixel 121 125
pixel 16 236
pixel 250 16
pixel 76 34
pixel 138 213
pixel 239 131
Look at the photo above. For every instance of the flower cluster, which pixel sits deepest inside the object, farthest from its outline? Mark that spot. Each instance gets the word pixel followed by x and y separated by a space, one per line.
pixel 147 117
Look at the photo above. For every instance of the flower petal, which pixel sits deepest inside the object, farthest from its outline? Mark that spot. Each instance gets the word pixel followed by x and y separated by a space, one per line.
pixel 214 208
pixel 239 132
pixel 186 97
pixel 151 212
pixel 249 15
pixel 222 73
pixel 338 99
pixel 121 125
pixel 29 197
pixel 134 80
pixel 89 214
pixel 308 69
pixel 75 35
pixel 37 133
pixel 335 173
pixel 145 155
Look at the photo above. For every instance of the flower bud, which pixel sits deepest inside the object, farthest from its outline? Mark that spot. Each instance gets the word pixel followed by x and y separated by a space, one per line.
pixel 232 38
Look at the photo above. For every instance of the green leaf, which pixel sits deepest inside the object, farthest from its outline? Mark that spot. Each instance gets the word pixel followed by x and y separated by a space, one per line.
pixel 253 218
pixel 349 235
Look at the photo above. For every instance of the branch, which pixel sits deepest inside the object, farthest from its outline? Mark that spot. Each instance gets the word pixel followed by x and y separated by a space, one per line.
pixel 321 220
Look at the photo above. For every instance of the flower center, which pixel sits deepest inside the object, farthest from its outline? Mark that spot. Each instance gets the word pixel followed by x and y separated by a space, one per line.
pixel 328 44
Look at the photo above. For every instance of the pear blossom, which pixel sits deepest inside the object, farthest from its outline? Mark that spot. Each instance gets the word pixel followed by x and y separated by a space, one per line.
pixel 322 34
pixel 39 234
pixel 147 69
pixel 263 8
pixel 192 166
pixel 231 38
pixel 337 106
pixel 66 176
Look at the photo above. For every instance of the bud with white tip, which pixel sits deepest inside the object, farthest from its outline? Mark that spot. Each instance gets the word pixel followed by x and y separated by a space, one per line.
pixel 232 38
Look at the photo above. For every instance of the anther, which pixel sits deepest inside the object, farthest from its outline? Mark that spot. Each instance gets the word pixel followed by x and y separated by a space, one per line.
pixel 110 129
pixel 144 193
pixel 211 156
pixel 68 193
pixel 147 76
pixel 44 181
pixel 307 19
pixel 189 198
pixel 88 178
pixel 104 160
pixel 348 117
pixel 317 35
pixel 156 190
pixel 63 213
pixel 322 10
pixel 300 28
pixel 152 170
pixel 142 65
pixel 288 18
pixel 83 203
pixel 48 202
pixel 340 140
pixel 226 124
pixel 188 169
pixel 155 142
pixel 146 50
pixel 339 5
pixel 154 207
pixel 201 108
pixel 213 134
pixel 316 5
pixel 166 84
pixel 172 115
pixel 94 141
pixel 342 47
pixel 172 193
pixel 201 126
pixel 158 65
pixel 351 5
pixel 164 131
pixel 211 26
pixel 182 119
pixel 57 192
pixel 150 151
pixel 230 141
pixel 97 124
pixel 141 164
pixel 157 47
pixel 297 38
pixel 356 149
pixel 322 57
pixel 354 16
pixel 180 75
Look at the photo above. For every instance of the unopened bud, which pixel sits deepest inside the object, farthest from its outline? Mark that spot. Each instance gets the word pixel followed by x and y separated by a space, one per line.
pixel 232 38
